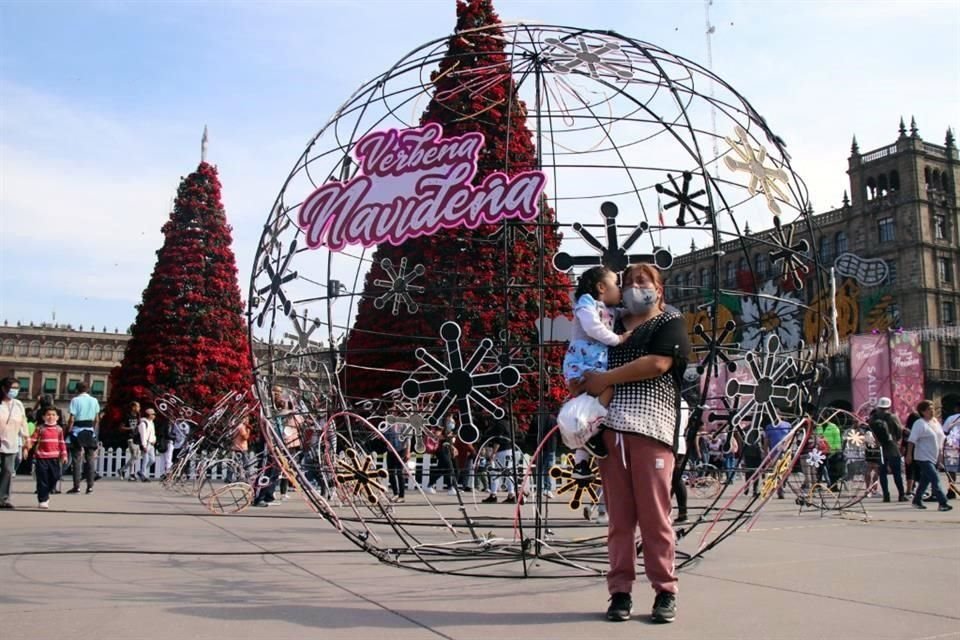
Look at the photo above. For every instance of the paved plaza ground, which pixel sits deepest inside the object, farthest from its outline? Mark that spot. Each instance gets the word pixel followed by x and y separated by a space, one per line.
pixel 793 576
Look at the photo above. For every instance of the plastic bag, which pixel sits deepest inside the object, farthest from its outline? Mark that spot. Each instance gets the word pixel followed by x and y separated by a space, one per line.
pixel 580 419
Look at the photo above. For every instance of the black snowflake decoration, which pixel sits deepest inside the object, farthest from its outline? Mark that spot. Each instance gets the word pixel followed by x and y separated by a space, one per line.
pixel 684 199
pixel 459 382
pixel 278 278
pixel 612 256
pixel 594 58
pixel 398 286
pixel 563 474
pixel 361 476
pixel 790 255
pixel 771 383
pixel 714 348
pixel 505 356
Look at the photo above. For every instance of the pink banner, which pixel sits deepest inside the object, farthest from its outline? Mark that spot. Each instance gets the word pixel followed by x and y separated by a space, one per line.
pixel 906 376
pixel 869 370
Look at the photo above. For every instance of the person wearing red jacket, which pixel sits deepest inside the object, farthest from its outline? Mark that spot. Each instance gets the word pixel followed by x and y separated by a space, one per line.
pixel 49 451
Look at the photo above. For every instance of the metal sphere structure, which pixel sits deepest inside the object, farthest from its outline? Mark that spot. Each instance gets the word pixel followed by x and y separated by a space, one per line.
pixel 643 153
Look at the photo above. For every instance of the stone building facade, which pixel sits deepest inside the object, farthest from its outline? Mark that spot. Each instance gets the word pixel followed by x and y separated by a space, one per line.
pixel 903 210
pixel 52 359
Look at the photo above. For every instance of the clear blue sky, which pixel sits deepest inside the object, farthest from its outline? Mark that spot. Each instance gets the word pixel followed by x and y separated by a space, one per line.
pixel 102 105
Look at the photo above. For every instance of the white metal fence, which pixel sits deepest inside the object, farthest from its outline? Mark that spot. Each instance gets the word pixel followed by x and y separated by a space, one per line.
pixel 111 461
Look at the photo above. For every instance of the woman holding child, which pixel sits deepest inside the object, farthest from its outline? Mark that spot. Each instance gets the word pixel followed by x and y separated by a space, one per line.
pixel 640 432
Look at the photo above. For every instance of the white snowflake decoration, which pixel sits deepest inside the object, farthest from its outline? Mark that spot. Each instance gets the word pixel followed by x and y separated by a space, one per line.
pixel 569 57
pixel 815 458
pixel 398 286
pixel 763 179
pixel 773 313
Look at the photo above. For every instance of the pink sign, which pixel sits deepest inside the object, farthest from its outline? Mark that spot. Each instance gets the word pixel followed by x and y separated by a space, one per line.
pixel 906 362
pixel 869 370
pixel 411 183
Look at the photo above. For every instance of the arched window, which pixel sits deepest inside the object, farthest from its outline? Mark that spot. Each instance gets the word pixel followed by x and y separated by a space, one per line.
pixel 882 187
pixel 935 182
pixel 731 275
pixel 84 351
pixel 871 190
pixel 688 281
pixel 47 349
pixel 840 242
pixel 945 182
pixel 825 250
pixel 894 180
pixel 760 260
pixel 8 347
pixel 118 353
pixel 97 353
pixel 926 176
pixel 23 348
pixel 742 264
pixel 59 350
pixel 73 350
pixel 35 349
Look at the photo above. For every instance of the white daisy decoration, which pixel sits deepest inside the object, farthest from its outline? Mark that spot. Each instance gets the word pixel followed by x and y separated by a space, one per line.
pixel 771 312
pixel 815 458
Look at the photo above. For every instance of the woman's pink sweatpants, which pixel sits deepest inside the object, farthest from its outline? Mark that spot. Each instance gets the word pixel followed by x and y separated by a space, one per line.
pixel 638 494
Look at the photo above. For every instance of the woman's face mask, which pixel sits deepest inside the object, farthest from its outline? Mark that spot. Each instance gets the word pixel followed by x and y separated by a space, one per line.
pixel 639 300
pixel 13 393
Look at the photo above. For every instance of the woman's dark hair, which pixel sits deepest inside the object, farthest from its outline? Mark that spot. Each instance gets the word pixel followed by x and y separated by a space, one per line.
pixel 590 280
pixel 923 405
pixel 6 384
pixel 46 400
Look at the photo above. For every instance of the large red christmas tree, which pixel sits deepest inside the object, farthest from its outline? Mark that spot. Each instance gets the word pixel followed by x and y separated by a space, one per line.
pixel 190 335
pixel 490 280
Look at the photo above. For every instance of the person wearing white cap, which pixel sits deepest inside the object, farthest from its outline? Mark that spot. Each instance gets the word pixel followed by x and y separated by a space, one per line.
pixel 888 431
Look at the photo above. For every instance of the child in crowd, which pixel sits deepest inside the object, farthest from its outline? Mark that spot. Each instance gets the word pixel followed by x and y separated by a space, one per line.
pixel 49 451
pixel 597 294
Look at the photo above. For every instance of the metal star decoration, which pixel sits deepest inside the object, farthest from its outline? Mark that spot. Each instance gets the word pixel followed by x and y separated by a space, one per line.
pixel 684 199
pixel 278 278
pixel 854 438
pixel 361 476
pixel 563 474
pixel 790 255
pixel 769 371
pixel 398 286
pixel 715 349
pixel 580 55
pixel 459 382
pixel 763 179
pixel 815 458
pixel 416 427
pixel 612 256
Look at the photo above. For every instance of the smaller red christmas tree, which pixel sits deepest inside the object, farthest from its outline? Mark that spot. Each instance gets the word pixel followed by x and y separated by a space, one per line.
pixel 190 336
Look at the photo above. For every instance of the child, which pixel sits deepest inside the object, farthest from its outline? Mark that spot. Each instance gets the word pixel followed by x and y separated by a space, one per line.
pixel 49 451
pixel 597 292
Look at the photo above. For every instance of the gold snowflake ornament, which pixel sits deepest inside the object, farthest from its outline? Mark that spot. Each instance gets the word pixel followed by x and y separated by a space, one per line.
pixel 563 474
pixel 854 438
pixel 361 476
pixel 763 179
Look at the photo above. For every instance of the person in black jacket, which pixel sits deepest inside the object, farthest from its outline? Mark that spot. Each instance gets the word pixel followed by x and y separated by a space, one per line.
pixel 887 430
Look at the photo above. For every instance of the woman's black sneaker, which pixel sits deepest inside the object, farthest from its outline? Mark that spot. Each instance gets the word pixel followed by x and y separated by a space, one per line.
pixel 621 606
pixel 595 446
pixel 664 607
